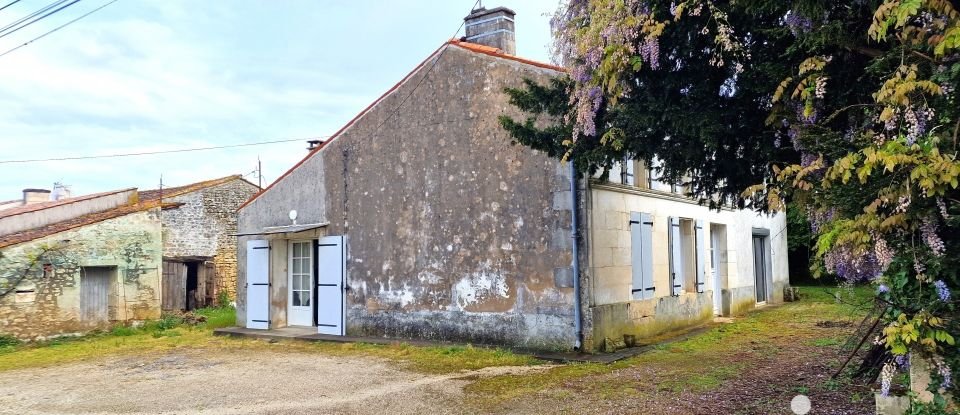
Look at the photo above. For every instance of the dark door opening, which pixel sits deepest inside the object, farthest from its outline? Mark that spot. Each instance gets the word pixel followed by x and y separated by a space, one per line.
pixel 760 267
pixel 191 285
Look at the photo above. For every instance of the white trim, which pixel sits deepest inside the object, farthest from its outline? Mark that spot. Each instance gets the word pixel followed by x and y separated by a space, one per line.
pixel 310 284
pixel 474 37
pixel 489 20
pixel 620 188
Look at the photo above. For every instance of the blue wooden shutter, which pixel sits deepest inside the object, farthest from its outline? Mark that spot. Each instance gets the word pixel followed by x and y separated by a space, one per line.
pixel 701 257
pixel 258 284
pixel 676 258
pixel 641 254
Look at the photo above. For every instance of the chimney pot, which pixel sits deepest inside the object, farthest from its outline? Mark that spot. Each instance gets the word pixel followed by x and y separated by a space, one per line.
pixel 494 27
pixel 31 196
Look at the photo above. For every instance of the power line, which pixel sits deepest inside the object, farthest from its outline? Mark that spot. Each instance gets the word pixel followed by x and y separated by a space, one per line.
pixel 9 4
pixel 58 28
pixel 38 19
pixel 32 15
pixel 146 153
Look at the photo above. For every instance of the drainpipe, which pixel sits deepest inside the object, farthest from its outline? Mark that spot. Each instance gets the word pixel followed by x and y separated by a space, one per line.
pixel 575 236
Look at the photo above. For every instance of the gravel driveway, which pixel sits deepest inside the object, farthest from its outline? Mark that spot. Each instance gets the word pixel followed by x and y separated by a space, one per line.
pixel 206 381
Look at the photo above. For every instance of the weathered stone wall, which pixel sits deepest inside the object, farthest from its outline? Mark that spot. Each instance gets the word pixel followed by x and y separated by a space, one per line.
pixel 452 232
pixel 204 227
pixel 130 243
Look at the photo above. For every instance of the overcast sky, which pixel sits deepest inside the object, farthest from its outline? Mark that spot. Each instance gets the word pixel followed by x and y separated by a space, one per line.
pixel 169 74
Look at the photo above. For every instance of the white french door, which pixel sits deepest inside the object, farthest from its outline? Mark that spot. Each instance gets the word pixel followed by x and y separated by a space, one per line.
pixel 300 299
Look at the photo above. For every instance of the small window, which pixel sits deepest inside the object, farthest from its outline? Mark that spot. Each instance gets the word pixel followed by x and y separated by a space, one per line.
pixel 25 294
pixel 627 175
pixel 654 177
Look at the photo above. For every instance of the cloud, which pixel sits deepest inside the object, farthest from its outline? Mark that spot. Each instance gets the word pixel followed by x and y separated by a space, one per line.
pixel 172 74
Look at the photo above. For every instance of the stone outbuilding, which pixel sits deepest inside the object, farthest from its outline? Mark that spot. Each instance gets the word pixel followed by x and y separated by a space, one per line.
pixel 78 264
pixel 199 240
pixel 419 219
pixel 72 264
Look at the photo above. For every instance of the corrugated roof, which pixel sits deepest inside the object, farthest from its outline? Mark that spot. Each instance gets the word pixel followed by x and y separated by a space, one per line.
pixel 181 190
pixel 473 47
pixel 54 203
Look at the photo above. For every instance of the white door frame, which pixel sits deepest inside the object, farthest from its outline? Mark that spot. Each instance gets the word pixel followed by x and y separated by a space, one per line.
pixel 300 315
pixel 715 264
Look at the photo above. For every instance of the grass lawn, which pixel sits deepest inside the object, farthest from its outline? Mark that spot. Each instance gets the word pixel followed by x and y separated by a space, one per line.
pixel 755 364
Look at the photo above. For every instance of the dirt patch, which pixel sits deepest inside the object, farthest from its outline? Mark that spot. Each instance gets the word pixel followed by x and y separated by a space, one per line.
pixel 833 324
pixel 204 381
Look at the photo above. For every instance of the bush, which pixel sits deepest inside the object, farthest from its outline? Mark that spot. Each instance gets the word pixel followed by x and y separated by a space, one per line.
pixel 123 331
pixel 7 340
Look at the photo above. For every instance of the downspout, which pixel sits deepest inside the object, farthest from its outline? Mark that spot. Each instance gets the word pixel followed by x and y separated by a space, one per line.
pixel 575 236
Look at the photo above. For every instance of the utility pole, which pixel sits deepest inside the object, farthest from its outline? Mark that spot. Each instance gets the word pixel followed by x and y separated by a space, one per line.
pixel 259 173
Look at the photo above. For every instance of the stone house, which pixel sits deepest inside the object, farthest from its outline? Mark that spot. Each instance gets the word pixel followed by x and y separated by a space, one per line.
pixel 419 219
pixel 81 263
pixel 78 264
pixel 199 240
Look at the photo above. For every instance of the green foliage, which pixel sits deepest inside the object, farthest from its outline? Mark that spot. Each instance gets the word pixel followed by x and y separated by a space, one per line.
pixel 937 407
pixel 166 322
pixel 217 317
pixel 122 331
pixel 7 340
pixel 848 110
pixel 223 299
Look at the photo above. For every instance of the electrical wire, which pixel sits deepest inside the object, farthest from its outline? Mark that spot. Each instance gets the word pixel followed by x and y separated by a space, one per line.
pixel 58 28
pixel 32 15
pixel 38 19
pixel 146 153
pixel 9 4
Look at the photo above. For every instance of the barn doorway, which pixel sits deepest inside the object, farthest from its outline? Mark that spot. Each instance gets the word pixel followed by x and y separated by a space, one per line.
pixel 186 283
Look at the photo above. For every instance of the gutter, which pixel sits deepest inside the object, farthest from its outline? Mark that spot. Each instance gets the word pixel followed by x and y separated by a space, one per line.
pixel 575 235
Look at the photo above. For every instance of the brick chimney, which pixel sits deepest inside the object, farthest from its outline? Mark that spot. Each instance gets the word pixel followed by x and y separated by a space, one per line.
pixel 31 196
pixel 492 27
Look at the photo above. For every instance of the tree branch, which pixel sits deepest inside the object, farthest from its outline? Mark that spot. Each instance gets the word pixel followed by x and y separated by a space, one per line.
pixel 837 112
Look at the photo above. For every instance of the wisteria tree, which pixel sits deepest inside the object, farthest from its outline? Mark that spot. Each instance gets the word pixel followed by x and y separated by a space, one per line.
pixel 846 109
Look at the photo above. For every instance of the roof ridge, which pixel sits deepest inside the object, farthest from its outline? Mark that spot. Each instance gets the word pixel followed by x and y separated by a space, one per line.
pixel 28 235
pixel 191 187
pixel 492 51
pixel 55 203
pixel 473 47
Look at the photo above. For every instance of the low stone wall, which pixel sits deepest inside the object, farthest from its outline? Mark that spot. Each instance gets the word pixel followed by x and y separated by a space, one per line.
pixel 649 318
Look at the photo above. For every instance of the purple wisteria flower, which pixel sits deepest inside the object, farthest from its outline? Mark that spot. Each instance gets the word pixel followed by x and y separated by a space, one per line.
pixel 928 231
pixel 902 361
pixel 797 23
pixel 860 266
pixel 886 379
pixel 943 292
pixel 882 288
pixel 944 371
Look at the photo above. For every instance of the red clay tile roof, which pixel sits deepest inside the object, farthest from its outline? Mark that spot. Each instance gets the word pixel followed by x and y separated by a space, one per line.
pixel 181 190
pixel 89 219
pixel 53 203
pixel 492 51
pixel 473 47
